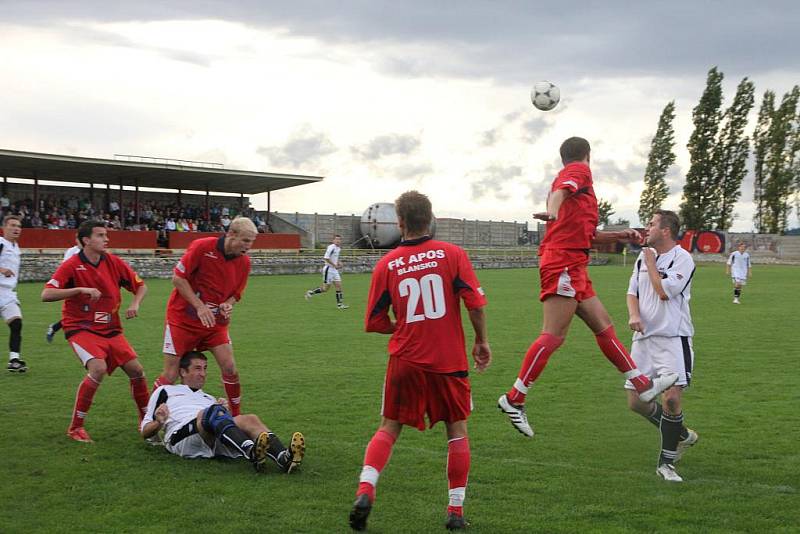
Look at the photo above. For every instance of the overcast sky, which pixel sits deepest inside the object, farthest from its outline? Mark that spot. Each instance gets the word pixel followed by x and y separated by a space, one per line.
pixel 381 97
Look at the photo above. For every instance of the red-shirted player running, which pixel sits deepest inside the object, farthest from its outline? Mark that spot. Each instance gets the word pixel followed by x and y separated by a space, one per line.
pixel 209 279
pixel 566 289
pixel 423 281
pixel 89 283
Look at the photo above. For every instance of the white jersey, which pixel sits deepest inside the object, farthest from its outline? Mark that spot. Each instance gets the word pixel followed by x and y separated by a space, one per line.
pixel 9 259
pixel 183 404
pixel 71 252
pixel 332 254
pixel 671 317
pixel 740 264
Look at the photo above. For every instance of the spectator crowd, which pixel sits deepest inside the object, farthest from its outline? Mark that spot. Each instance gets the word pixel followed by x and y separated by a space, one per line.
pixel 64 213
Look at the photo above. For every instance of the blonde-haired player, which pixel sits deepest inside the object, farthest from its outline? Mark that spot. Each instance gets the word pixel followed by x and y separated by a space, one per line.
pixel 209 279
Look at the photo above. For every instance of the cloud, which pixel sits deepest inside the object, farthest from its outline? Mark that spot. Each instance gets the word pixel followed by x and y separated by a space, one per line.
pixel 534 128
pixel 305 146
pixel 519 42
pixel 608 171
pixel 387 145
pixel 412 171
pixel 492 179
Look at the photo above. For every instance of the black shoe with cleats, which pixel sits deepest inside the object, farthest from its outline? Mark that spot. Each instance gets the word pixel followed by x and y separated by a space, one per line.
pixel 17 366
pixel 456 522
pixel 360 512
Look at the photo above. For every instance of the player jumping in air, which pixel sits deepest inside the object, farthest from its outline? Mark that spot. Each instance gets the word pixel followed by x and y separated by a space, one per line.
pixel 566 289
pixel 423 281
pixel 89 284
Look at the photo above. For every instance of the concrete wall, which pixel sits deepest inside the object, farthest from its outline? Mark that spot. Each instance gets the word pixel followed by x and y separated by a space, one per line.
pixel 466 233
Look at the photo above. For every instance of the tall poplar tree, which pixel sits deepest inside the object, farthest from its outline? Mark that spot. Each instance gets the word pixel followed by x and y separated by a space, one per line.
pixel 760 150
pixel 658 162
pixel 780 162
pixel 730 157
pixel 698 192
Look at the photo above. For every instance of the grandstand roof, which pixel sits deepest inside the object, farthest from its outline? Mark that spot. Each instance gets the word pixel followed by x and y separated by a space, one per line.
pixel 156 173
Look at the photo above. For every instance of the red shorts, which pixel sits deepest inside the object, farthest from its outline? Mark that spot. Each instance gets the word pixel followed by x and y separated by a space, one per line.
pixel 116 351
pixel 179 339
pixel 410 392
pixel 564 272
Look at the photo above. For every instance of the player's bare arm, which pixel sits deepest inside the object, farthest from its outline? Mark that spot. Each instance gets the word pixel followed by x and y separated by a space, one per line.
pixel 8 273
pixel 51 294
pixel 481 352
pixel 653 274
pixel 554 201
pixel 133 309
pixel 628 235
pixel 634 318
pixel 226 308
pixel 185 290
pixel 159 420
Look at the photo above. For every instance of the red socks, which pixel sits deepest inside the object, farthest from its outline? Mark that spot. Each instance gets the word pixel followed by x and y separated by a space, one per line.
pixel 616 353
pixel 532 366
pixel 458 458
pixel 140 395
pixel 233 391
pixel 375 459
pixel 83 401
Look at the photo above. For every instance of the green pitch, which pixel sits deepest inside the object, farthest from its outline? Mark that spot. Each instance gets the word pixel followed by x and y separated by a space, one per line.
pixel 307 366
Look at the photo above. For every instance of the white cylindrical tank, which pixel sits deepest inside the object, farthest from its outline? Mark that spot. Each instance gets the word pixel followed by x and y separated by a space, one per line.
pixel 379 225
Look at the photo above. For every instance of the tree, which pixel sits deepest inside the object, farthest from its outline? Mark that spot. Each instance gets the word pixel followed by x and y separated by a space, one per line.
pixel 780 164
pixel 730 157
pixel 699 189
pixel 658 162
pixel 760 150
pixel 605 211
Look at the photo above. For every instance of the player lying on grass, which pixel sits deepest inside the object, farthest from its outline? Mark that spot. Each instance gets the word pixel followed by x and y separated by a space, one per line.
pixel 196 425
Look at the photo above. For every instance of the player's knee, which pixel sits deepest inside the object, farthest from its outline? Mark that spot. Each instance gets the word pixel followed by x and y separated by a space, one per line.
pixel 672 401
pixel 97 369
pixel 216 419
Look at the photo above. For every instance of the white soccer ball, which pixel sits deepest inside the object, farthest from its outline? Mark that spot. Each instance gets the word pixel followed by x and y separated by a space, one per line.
pixel 545 95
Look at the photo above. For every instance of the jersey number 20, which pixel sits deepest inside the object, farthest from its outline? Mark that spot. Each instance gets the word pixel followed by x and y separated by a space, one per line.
pixel 431 289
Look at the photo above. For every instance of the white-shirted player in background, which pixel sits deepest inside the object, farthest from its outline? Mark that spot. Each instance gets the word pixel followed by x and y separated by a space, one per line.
pixel 330 273
pixel 9 303
pixel 658 309
pixel 55 327
pixel 738 267
pixel 196 425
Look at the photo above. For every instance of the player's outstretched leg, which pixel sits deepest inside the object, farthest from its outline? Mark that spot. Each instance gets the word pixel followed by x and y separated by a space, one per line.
pixel 311 292
pixel 218 421
pixel 379 450
pixel 512 403
pixel 287 460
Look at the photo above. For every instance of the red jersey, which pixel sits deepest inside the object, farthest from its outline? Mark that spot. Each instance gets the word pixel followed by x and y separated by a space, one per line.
pixel 107 275
pixel 214 278
pixel 576 224
pixel 422 280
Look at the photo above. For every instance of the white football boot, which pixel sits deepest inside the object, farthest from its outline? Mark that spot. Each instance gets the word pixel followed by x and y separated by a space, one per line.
pixel 516 414
pixel 660 384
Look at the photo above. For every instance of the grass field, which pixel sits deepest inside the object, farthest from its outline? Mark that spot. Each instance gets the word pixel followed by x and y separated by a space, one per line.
pixel 307 366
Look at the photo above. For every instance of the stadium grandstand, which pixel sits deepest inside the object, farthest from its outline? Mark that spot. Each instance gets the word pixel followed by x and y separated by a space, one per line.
pixel 152 202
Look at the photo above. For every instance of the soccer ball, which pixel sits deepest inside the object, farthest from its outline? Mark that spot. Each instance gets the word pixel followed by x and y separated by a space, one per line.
pixel 545 95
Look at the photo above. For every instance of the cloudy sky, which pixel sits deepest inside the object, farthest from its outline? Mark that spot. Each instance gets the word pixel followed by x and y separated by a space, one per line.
pixel 381 97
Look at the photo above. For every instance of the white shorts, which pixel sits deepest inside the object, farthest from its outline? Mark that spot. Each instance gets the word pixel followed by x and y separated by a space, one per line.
pixel 656 355
pixel 195 447
pixel 9 308
pixel 739 281
pixel 330 275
